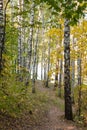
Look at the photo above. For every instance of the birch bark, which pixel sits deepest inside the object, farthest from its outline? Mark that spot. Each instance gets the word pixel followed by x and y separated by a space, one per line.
pixel 79 85
pixel 67 86
pixel 60 79
pixel 73 72
pixel 48 65
pixel 20 45
pixel 30 36
pixel 35 61
pixel 1 35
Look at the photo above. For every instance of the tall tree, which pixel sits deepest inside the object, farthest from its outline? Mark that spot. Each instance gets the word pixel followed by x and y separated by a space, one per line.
pixel 56 74
pixel 35 55
pixel 60 78
pixel 42 58
pixel 30 35
pixel 79 83
pixel 48 66
pixel 2 31
pixel 67 86
pixel 1 35
pixel 73 69
pixel 71 11
pixel 19 37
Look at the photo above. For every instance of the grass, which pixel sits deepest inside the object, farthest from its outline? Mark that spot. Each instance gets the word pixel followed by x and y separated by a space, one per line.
pixel 59 103
pixel 14 99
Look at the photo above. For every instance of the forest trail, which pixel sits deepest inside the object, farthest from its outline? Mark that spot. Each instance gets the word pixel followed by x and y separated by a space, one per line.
pixel 52 119
pixel 55 116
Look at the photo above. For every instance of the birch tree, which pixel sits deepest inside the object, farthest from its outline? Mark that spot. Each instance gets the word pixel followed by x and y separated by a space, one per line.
pixel 72 11
pixel 30 35
pixel 19 37
pixel 2 31
pixel 60 78
pixel 35 54
pixel 1 35
pixel 48 65
pixel 56 74
pixel 42 57
pixel 73 69
pixel 67 86
pixel 79 84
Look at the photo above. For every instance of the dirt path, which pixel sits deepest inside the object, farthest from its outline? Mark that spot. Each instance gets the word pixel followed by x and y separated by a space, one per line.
pixel 53 119
pixel 55 116
pixel 55 122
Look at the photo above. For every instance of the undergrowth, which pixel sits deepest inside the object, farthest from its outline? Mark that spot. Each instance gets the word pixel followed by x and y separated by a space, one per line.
pixel 82 118
pixel 16 98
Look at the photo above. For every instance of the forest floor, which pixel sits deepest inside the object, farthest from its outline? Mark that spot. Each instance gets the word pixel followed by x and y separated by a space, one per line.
pixel 52 118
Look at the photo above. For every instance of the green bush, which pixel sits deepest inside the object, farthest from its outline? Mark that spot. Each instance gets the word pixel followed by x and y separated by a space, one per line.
pixel 14 99
pixel 83 89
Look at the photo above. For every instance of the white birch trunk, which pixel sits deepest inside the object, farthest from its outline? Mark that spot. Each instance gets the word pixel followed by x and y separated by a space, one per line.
pixel 60 79
pixel 42 58
pixel 19 40
pixel 67 86
pixel 73 72
pixel 79 85
pixel 35 61
pixel 30 37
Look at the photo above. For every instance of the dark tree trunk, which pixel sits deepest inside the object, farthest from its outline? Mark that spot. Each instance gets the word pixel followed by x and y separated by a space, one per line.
pixel 67 86
pixel 48 65
pixel 1 34
pixel 2 31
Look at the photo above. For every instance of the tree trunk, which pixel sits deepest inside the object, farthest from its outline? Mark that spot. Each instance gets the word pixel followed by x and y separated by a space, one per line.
pixel 20 43
pixel 1 35
pixel 79 85
pixel 42 58
pixel 48 65
pixel 67 86
pixel 73 73
pixel 79 70
pixel 30 36
pixel 45 70
pixel 11 40
pixel 42 66
pixel 24 39
pixel 60 79
pixel 35 61
pixel 56 75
